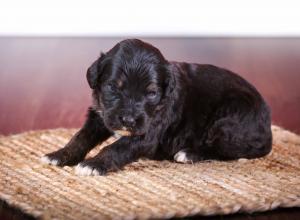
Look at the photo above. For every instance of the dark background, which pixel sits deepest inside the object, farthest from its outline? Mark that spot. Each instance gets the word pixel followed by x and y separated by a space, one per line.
pixel 43 84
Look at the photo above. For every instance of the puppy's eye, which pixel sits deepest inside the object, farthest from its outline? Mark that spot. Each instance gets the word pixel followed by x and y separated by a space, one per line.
pixel 112 87
pixel 151 94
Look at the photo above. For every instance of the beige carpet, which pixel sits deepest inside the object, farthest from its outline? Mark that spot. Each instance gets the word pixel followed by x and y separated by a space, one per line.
pixel 146 189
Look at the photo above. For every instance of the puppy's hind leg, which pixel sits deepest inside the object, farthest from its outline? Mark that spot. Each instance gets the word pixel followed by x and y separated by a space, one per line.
pixel 230 139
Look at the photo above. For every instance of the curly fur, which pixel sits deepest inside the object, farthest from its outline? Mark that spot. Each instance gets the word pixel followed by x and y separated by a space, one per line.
pixel 202 110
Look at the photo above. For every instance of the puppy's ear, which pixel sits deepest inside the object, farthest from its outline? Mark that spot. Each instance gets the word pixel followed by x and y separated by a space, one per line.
pixel 96 70
pixel 170 80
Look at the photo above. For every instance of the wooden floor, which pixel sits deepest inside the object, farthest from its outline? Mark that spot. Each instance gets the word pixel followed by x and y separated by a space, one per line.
pixel 43 84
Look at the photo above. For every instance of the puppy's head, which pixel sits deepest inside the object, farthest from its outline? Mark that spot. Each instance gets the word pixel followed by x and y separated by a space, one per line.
pixel 131 84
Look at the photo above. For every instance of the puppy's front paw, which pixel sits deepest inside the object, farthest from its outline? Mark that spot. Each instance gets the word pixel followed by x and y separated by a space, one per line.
pixel 48 160
pixel 90 168
pixel 61 157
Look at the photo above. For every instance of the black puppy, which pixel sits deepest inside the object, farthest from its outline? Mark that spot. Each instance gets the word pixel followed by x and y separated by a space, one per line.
pixel 169 110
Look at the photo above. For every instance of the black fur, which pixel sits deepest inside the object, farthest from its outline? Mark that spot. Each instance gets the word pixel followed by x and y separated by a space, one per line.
pixel 207 111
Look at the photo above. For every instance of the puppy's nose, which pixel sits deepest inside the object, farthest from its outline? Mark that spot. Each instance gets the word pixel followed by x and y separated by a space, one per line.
pixel 128 121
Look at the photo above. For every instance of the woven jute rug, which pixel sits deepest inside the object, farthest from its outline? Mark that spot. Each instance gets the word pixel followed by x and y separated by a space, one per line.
pixel 146 189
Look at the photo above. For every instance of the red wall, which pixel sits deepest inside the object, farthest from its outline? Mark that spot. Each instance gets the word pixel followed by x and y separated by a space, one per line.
pixel 43 85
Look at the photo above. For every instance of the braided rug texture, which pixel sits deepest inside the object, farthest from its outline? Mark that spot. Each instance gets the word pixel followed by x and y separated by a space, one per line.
pixel 146 189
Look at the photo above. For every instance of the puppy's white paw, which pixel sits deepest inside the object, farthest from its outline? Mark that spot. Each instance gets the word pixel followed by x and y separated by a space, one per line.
pixel 47 160
pixel 181 157
pixel 86 170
